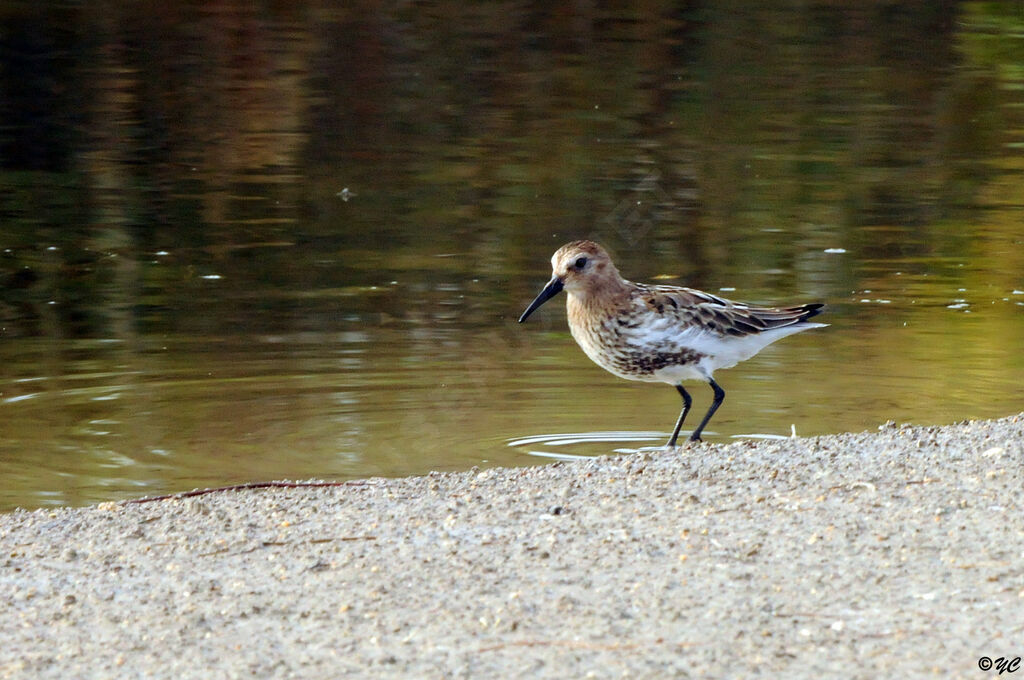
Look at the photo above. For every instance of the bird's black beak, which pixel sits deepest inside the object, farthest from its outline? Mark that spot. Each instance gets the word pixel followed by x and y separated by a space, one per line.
pixel 553 288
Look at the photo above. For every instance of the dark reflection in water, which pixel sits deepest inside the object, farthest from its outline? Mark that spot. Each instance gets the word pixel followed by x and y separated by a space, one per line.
pixel 244 243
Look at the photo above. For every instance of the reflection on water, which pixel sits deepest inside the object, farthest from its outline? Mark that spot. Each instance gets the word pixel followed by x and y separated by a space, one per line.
pixel 583 445
pixel 578 439
pixel 241 244
pixel 571 438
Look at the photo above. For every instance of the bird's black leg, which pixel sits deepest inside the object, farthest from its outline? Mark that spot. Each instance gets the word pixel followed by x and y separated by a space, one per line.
pixel 687 400
pixel 719 396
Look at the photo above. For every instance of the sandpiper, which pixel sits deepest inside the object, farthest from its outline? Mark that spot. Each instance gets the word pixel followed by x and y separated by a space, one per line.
pixel 661 333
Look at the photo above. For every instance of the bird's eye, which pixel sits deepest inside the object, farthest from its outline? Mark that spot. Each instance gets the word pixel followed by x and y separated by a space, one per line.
pixel 581 262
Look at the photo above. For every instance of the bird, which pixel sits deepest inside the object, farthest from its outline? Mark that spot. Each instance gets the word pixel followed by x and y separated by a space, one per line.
pixel 656 333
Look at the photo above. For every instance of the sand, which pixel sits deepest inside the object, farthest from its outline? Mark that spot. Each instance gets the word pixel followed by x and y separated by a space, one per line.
pixel 896 553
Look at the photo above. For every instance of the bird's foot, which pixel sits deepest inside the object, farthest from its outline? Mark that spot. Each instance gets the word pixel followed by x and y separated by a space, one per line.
pixel 675 445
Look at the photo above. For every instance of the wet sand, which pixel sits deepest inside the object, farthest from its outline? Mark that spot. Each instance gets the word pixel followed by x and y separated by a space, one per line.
pixel 896 553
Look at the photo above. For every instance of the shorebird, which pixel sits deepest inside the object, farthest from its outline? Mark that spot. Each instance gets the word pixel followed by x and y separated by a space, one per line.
pixel 661 333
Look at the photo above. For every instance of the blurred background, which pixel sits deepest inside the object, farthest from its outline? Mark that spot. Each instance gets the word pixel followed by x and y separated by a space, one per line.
pixel 253 241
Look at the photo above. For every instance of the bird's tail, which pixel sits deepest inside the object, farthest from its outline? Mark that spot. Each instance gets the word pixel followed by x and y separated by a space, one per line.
pixel 769 318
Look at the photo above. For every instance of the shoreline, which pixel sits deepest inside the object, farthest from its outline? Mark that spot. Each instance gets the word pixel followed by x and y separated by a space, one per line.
pixel 856 555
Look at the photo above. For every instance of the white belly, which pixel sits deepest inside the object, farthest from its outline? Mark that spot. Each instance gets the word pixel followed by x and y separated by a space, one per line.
pixel 665 352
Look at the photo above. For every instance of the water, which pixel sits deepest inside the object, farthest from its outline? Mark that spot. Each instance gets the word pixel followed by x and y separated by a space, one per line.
pixel 242 245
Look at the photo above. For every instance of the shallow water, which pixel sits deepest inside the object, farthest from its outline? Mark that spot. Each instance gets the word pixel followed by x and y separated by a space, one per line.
pixel 240 246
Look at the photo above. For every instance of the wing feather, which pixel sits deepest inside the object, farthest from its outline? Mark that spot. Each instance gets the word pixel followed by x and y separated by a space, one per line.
pixel 719 316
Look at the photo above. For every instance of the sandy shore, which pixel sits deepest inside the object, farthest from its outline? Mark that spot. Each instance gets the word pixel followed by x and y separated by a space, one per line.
pixel 897 553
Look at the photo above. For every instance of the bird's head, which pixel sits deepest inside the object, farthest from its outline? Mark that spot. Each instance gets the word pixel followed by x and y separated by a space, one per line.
pixel 581 268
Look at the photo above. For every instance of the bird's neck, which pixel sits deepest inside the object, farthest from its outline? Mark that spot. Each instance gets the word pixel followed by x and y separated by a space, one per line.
pixel 597 301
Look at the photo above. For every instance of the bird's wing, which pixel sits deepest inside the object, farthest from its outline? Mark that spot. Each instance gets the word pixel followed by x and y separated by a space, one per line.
pixel 705 313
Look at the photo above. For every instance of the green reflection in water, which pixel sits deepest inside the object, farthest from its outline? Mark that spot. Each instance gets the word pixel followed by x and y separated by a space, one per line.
pixel 190 296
